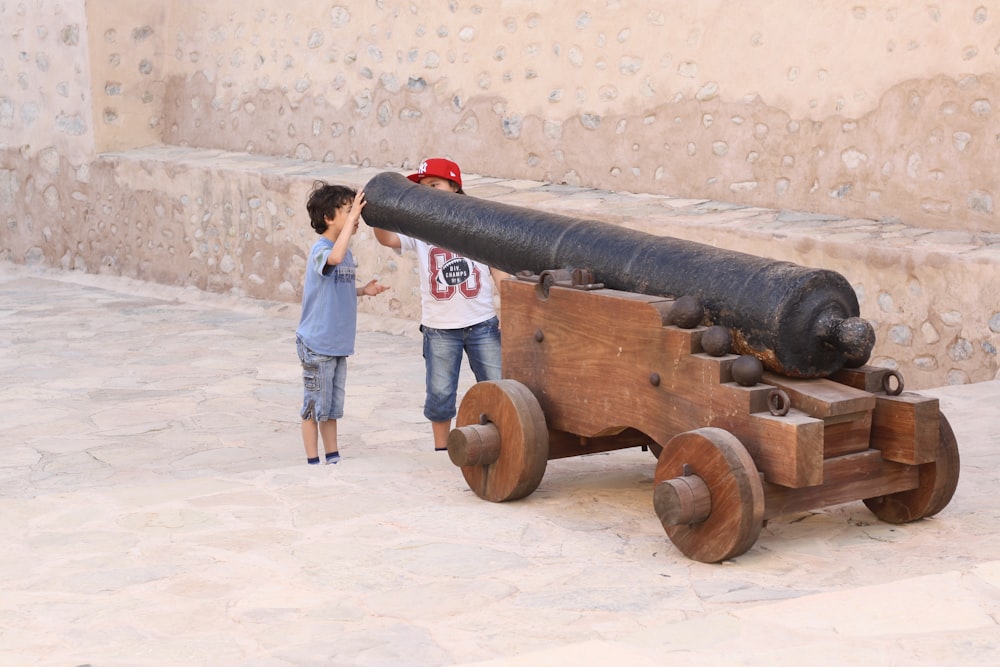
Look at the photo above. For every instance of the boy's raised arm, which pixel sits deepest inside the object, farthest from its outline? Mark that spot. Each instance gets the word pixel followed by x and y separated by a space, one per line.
pixel 387 238
pixel 339 250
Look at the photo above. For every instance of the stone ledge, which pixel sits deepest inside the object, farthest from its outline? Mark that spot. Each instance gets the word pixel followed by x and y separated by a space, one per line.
pixel 929 293
pixel 645 212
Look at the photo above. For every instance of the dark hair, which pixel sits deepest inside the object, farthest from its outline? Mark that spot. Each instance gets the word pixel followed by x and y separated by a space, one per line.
pixel 324 200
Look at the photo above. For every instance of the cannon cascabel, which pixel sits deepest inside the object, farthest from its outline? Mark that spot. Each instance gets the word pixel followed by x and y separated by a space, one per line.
pixel 799 321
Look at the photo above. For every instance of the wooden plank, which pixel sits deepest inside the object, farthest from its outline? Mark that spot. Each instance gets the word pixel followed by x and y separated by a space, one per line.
pixel 788 450
pixel 679 342
pixel 731 398
pixel 711 369
pixel 865 378
pixel 821 397
pixel 845 434
pixel 563 445
pixel 905 428
pixel 853 477
pixel 601 359
pixel 859 465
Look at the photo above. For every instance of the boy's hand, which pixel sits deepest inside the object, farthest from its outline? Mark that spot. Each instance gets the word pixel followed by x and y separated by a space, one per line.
pixel 373 288
pixel 355 214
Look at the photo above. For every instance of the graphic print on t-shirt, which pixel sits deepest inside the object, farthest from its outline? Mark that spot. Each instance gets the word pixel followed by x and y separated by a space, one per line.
pixel 343 273
pixel 450 273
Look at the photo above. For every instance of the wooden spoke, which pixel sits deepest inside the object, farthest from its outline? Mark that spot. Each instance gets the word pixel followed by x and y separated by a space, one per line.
pixel 938 481
pixel 512 410
pixel 736 512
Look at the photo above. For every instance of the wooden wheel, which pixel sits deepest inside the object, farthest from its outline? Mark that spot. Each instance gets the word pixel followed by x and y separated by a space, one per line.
pixel 500 440
pixel 938 481
pixel 708 495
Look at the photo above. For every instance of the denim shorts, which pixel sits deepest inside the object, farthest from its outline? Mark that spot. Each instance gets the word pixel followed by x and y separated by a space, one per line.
pixel 323 380
pixel 443 350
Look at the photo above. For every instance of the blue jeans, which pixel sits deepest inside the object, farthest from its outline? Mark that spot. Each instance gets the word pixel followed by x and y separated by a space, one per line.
pixel 443 350
pixel 323 381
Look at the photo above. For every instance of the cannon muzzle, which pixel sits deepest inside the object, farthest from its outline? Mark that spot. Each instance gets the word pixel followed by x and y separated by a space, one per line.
pixel 799 321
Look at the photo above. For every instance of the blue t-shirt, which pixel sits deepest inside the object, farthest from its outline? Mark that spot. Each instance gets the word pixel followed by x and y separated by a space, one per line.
pixel 329 303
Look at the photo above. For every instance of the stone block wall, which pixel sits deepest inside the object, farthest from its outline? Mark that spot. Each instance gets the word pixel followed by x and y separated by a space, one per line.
pixel 881 109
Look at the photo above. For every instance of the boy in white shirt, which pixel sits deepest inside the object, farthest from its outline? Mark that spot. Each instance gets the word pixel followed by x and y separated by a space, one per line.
pixel 457 311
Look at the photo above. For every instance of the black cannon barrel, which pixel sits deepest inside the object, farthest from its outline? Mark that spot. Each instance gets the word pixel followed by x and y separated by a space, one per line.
pixel 799 321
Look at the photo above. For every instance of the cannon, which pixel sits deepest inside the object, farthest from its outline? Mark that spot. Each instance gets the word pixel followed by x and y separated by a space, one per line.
pixel 747 378
pixel 798 321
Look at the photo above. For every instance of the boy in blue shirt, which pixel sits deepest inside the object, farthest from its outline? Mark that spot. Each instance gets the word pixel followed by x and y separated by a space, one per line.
pixel 325 335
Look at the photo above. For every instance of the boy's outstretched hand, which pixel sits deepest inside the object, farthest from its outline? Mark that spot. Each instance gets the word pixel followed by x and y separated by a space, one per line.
pixel 372 288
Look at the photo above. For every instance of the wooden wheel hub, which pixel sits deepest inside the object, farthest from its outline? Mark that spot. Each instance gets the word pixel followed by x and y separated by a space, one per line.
pixel 682 500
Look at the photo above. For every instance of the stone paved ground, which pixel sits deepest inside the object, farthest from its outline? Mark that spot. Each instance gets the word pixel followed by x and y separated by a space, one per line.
pixel 156 509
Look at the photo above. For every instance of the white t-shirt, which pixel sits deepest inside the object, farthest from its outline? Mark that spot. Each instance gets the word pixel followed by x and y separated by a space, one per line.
pixel 455 291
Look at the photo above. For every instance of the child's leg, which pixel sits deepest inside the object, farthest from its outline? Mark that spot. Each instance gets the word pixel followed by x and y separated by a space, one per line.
pixel 310 377
pixel 310 438
pixel 482 345
pixel 323 380
pixel 328 426
pixel 328 430
pixel 443 363
pixel 441 431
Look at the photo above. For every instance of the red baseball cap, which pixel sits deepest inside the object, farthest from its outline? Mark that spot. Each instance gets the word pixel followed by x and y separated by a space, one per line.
pixel 440 167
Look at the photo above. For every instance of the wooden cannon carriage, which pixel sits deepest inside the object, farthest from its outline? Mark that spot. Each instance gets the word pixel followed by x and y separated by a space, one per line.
pixel 744 430
pixel 596 370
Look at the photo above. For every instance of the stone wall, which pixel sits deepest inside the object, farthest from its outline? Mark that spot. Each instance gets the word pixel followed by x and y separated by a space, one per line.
pixel 176 142
pixel 45 84
pixel 874 109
